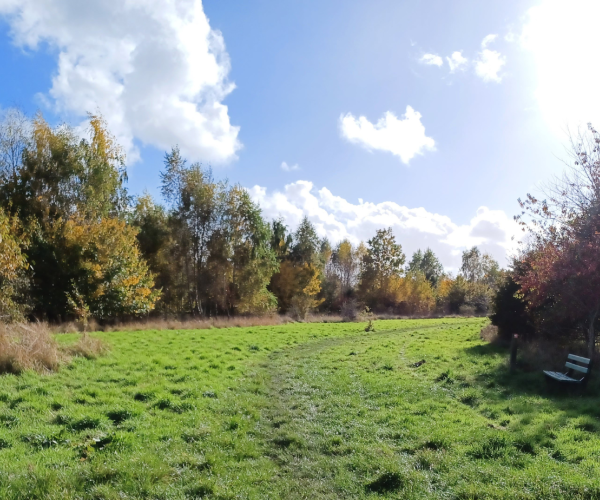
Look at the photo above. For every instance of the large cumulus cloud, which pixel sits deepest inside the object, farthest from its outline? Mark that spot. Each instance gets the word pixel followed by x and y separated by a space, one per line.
pixel 154 68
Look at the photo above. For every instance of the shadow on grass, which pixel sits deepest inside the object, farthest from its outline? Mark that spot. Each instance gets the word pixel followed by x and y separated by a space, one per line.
pixel 489 349
pixel 574 401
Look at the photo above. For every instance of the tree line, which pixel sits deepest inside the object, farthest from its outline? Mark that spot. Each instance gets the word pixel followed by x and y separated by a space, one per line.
pixel 75 245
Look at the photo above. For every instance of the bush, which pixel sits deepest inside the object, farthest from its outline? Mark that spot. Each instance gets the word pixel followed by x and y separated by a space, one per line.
pixel 510 312
pixel 349 310
pixel 467 310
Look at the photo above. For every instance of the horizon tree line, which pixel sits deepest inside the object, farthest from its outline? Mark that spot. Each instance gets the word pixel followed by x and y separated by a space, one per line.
pixel 75 245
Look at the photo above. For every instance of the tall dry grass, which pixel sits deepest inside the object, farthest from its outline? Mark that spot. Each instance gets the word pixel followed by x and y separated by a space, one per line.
pixel 170 324
pixel 86 347
pixel 32 347
pixel 222 322
pixel 27 346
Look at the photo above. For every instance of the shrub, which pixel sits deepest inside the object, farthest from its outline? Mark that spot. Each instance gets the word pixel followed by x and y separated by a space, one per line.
pixel 349 310
pixel 510 311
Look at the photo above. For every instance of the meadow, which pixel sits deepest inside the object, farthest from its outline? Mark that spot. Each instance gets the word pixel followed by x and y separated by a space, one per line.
pixel 415 409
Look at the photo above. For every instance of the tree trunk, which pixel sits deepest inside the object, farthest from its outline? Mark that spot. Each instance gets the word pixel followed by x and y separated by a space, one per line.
pixel 592 335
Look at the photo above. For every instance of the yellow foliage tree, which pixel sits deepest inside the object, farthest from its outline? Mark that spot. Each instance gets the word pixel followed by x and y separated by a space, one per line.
pixel 442 292
pixel 416 294
pixel 110 278
pixel 307 285
pixel 13 263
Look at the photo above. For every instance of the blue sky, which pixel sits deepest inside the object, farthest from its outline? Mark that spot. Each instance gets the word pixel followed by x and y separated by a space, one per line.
pixel 432 117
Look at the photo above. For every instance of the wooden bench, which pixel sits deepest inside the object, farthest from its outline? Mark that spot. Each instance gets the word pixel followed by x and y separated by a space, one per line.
pixel 570 377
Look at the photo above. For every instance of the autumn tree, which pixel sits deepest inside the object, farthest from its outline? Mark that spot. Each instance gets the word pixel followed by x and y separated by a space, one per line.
pixel 560 268
pixel 108 276
pixel 302 256
pixel 157 245
pixel 83 257
pixel 61 174
pixel 196 205
pixel 381 270
pixel 250 258
pixel 13 267
pixel 415 294
pixel 15 135
pixel 345 263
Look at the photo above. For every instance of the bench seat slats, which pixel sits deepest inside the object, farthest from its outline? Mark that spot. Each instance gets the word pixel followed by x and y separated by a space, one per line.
pixel 567 377
pixel 576 367
pixel 560 376
pixel 579 359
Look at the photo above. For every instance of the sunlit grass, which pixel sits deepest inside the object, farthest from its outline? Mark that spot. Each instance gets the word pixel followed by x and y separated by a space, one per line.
pixel 296 411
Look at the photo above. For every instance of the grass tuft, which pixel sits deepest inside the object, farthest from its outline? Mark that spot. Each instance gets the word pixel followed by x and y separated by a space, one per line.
pixel 87 347
pixel 119 416
pixel 386 483
pixel 492 447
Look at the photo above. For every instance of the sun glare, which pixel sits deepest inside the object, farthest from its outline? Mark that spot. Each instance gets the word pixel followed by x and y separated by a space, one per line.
pixel 563 37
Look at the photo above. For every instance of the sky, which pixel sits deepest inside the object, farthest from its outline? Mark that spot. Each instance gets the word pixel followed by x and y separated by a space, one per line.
pixel 430 117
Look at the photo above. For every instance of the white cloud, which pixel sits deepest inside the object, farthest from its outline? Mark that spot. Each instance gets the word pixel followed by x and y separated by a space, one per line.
pixel 404 137
pixel 289 168
pixel 415 228
pixel 487 40
pixel 488 64
pixel 457 61
pixel 563 39
pixel 432 60
pixel 154 68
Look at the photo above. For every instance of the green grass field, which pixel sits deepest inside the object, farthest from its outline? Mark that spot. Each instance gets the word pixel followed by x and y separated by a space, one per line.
pixel 297 411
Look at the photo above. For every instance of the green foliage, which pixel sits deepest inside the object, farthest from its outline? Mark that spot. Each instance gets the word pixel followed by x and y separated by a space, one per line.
pixel 61 175
pixel 510 310
pixel 207 252
pixel 307 244
pixel 427 263
pixel 220 256
pixel 83 260
pixel 384 256
pixel 473 289
pixel 281 240
pixel 298 284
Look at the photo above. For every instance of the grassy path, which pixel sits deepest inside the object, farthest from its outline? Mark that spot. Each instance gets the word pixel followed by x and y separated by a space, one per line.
pixel 316 419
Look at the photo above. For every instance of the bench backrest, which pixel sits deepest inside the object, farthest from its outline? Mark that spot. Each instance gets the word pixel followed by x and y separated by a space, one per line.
pixel 583 361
